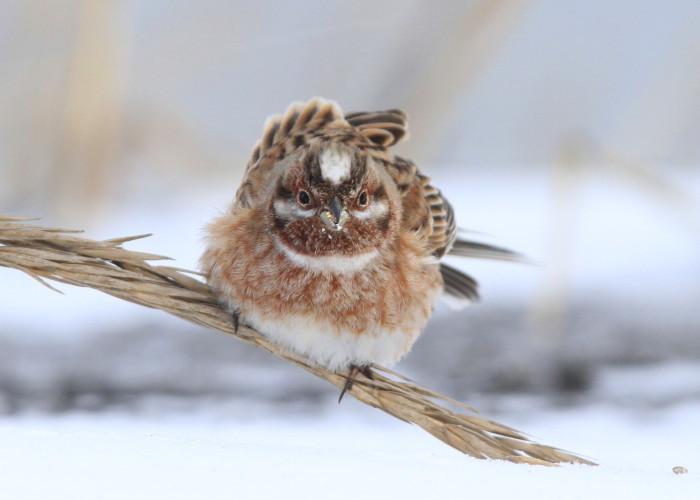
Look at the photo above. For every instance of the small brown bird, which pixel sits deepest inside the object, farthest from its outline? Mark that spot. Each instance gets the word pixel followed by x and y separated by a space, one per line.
pixel 332 246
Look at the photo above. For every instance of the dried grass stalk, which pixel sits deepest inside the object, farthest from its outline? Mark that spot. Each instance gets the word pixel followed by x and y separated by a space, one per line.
pixel 60 255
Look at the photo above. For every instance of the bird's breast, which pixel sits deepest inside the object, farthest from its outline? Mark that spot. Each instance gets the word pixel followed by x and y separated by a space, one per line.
pixel 370 306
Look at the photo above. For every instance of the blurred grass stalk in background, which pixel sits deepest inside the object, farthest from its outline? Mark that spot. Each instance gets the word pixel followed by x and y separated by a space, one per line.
pixel 89 150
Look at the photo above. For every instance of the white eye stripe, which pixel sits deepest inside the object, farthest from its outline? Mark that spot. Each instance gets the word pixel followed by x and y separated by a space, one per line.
pixel 290 209
pixel 375 209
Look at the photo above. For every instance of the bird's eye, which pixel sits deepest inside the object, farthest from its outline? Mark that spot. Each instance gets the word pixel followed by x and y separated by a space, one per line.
pixel 362 199
pixel 304 198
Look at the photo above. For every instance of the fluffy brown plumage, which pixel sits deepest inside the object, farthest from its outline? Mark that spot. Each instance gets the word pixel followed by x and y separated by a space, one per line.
pixel 332 247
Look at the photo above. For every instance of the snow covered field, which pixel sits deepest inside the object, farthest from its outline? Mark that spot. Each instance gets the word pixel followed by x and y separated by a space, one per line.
pixel 353 453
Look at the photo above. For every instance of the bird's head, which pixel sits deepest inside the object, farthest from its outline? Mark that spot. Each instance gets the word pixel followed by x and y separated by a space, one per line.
pixel 333 206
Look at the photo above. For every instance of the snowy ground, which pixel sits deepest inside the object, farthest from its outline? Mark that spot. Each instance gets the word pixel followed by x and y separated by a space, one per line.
pixel 351 454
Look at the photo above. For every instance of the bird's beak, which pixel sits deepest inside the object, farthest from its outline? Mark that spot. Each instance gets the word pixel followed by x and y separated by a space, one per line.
pixel 334 216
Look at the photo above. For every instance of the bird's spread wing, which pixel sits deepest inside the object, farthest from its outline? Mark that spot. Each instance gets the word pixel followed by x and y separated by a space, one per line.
pixel 430 214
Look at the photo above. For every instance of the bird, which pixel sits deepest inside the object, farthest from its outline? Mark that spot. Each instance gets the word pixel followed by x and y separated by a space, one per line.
pixel 333 245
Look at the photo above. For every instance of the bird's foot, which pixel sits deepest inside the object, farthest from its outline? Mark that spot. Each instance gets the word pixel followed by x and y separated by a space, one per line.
pixel 365 370
pixel 235 316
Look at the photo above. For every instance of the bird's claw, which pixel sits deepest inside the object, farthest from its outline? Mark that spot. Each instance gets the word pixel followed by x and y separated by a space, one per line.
pixel 236 323
pixel 365 370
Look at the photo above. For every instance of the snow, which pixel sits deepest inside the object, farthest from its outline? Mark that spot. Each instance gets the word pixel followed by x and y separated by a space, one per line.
pixel 344 456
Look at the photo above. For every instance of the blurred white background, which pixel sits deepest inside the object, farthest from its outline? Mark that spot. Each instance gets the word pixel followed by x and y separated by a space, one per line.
pixel 564 130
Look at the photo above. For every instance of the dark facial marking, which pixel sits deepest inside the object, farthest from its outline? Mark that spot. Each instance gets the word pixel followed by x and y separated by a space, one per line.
pixel 358 167
pixel 312 169
pixel 279 222
pixel 283 191
pixel 380 192
pixel 383 223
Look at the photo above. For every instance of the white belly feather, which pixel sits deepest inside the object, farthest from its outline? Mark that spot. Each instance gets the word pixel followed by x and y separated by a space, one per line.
pixel 324 345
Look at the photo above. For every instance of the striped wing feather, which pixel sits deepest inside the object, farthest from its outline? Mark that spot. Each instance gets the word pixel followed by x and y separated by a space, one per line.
pixel 385 128
pixel 424 208
pixel 282 135
pixel 300 117
pixel 459 285
pixel 477 250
